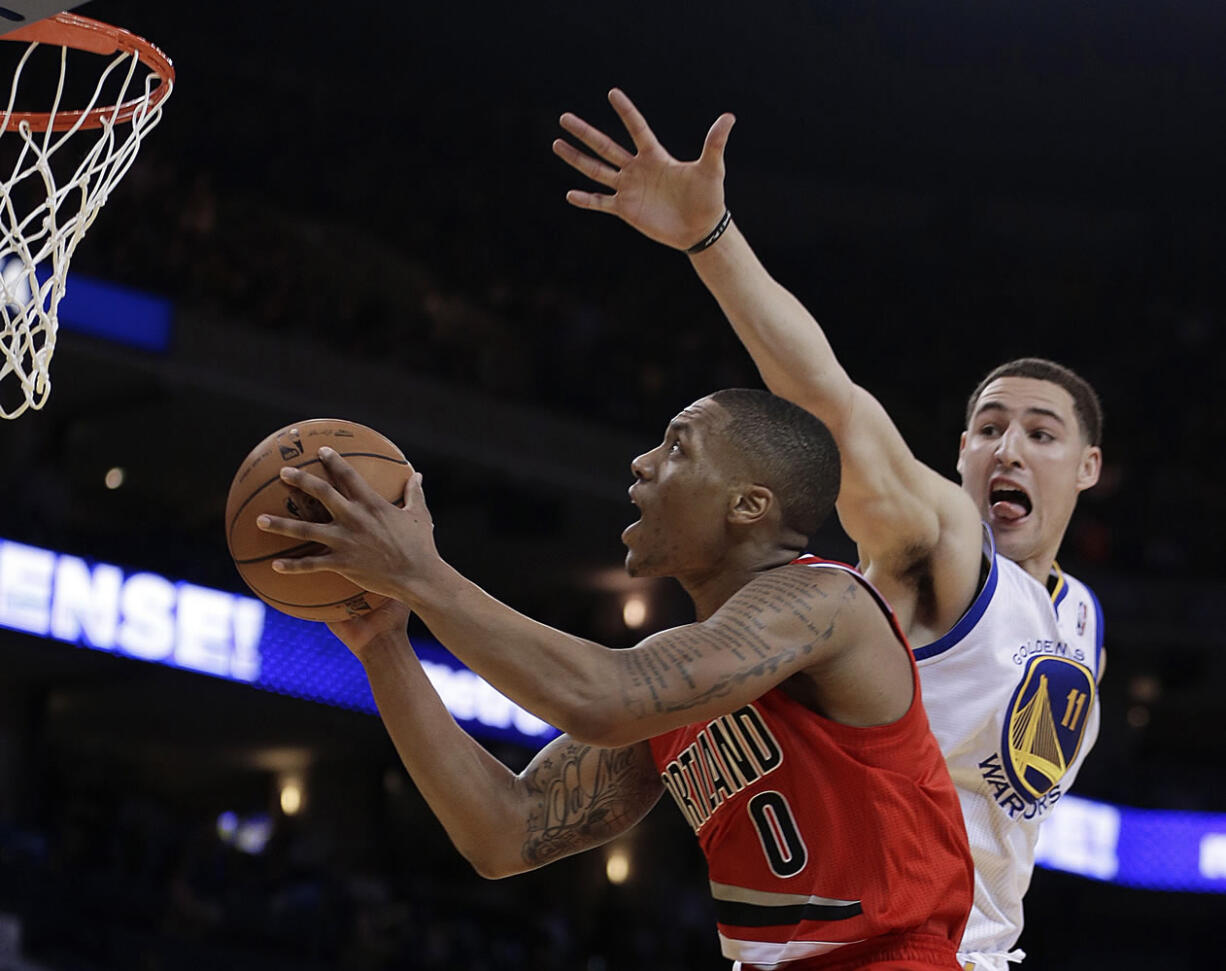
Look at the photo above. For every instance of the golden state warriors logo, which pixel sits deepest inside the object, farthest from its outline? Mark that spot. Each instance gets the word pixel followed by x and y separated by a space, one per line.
pixel 1046 723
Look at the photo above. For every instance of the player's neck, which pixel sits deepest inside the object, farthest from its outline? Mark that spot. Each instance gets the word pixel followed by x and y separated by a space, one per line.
pixel 1039 566
pixel 710 594
pixel 710 590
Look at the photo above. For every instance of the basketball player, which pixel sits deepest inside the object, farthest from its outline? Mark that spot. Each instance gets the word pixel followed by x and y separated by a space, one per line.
pixel 1009 647
pixel 786 722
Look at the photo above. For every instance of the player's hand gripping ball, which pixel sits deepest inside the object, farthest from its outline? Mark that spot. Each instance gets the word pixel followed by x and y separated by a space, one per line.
pixel 258 489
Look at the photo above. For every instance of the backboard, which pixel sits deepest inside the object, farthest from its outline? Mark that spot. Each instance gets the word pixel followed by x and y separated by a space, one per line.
pixel 18 13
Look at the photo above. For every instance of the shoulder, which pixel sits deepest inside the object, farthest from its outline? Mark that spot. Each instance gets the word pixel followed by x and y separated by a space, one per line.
pixel 859 670
pixel 1077 586
pixel 812 576
pixel 832 574
pixel 808 594
pixel 1081 615
pixel 822 594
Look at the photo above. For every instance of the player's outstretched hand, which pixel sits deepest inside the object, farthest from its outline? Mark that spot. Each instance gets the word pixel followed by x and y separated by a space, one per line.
pixel 375 543
pixel 675 203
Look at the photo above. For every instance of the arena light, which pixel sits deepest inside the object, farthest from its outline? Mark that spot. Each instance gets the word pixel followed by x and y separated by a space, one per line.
pixel 634 611
pixel 291 795
pixel 247 834
pixel 617 866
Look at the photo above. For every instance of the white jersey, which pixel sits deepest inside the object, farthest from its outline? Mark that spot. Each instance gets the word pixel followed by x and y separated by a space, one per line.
pixel 1012 696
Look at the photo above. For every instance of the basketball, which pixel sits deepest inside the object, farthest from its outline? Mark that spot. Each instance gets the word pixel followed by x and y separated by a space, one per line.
pixel 258 489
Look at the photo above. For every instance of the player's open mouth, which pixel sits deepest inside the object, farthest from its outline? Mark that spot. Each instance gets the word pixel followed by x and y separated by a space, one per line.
pixel 637 509
pixel 1009 504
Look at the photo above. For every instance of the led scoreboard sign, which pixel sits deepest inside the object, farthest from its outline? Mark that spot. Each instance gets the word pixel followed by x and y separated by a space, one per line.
pixel 1154 849
pixel 145 616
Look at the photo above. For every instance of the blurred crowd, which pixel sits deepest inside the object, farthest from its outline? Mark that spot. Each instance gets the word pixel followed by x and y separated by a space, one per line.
pixel 114 877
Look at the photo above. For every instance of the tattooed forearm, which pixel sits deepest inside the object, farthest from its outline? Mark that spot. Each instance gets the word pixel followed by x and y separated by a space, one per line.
pixel 584 796
pixel 767 625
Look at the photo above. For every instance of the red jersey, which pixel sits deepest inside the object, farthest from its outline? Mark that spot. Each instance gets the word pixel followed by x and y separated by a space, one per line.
pixel 826 844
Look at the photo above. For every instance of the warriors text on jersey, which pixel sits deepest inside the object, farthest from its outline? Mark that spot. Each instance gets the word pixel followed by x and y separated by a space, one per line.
pixel 1011 693
pixel 825 843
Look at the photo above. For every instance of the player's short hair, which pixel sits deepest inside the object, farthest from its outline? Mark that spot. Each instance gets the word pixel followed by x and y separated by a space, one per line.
pixel 787 450
pixel 1086 405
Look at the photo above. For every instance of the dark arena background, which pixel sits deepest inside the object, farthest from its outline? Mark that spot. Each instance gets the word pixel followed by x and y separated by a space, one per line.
pixel 353 210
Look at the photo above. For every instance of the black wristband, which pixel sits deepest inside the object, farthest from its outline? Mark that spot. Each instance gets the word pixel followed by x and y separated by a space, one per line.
pixel 714 234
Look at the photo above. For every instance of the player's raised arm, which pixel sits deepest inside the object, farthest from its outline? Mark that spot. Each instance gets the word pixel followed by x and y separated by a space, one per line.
pixel 571 797
pixel 892 505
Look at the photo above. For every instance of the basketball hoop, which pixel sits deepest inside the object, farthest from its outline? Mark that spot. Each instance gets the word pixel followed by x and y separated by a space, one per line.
pixel 53 191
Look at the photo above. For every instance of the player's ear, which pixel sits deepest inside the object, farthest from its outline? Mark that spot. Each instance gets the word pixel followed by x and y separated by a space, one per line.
pixel 750 504
pixel 961 454
pixel 1091 467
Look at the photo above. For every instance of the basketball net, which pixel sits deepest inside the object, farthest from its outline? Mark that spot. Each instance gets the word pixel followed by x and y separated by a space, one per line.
pixel 54 190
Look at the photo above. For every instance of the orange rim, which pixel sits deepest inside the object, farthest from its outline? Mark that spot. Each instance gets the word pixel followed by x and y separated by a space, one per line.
pixel 84 34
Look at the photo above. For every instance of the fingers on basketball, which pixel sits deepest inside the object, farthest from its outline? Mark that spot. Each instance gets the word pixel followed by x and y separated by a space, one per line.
pixel 306 588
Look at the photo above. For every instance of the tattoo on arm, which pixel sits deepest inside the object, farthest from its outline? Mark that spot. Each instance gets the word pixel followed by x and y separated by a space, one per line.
pixel 785 599
pixel 584 796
